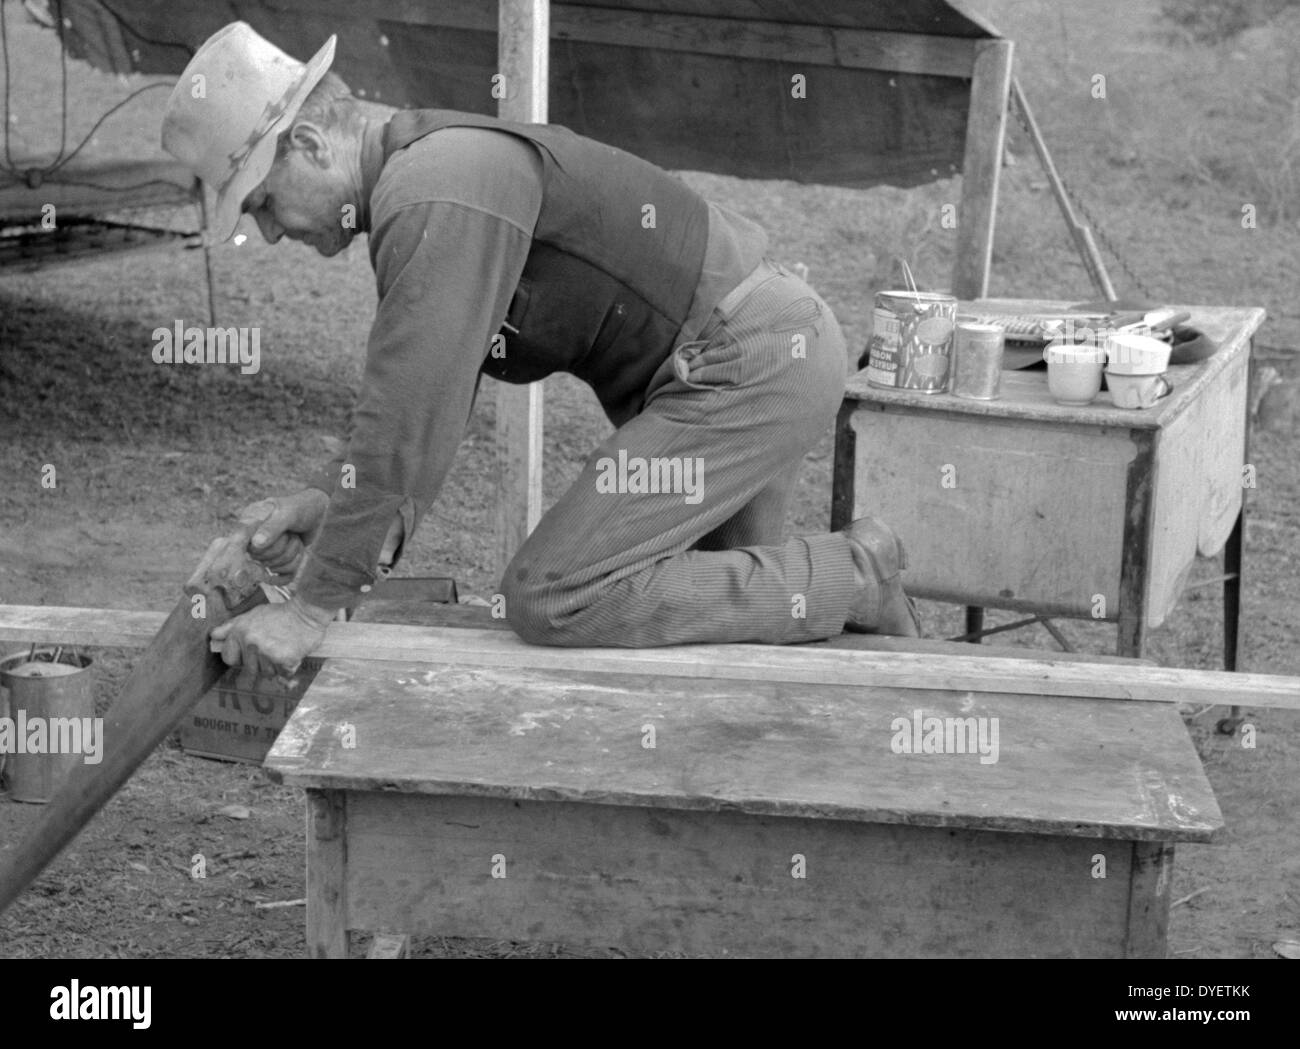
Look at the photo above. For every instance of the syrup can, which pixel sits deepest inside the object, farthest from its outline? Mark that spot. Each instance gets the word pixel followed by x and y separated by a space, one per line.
pixel 911 340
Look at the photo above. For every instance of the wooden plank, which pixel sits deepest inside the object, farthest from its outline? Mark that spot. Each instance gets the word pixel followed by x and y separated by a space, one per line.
pixel 986 129
pixel 968 672
pixel 103 627
pixel 880 643
pixel 94 627
pixel 773 41
pixel 523 48
pixel 723 883
pixel 1088 768
pixel 427 613
pixel 964 673
pixel 327 925
pixel 732 37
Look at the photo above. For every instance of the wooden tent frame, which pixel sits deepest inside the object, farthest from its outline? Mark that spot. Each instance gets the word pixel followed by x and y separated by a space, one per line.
pixel 523 38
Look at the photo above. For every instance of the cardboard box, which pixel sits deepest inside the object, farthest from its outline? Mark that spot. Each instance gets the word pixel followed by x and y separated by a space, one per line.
pixel 234 724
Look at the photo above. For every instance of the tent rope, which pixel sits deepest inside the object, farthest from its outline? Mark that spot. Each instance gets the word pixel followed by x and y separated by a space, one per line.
pixel 36 176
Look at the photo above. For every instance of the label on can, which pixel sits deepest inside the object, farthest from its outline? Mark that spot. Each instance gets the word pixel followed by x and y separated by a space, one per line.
pixel 911 340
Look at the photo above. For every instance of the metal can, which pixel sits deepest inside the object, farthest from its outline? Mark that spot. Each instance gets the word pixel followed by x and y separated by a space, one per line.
pixel 911 340
pixel 42 690
pixel 977 360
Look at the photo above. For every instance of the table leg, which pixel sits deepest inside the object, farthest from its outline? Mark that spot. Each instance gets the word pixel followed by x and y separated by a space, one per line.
pixel 1233 557
pixel 842 473
pixel 1136 549
pixel 327 929
pixel 974 622
pixel 1132 635
pixel 1150 877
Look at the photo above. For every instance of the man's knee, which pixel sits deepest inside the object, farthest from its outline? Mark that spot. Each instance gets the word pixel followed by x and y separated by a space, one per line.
pixel 531 605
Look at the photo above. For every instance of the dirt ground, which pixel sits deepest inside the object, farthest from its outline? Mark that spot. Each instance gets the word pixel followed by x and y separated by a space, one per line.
pixel 153 462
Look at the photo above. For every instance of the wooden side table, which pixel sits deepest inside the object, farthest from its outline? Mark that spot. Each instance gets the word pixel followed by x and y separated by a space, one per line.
pixel 1094 512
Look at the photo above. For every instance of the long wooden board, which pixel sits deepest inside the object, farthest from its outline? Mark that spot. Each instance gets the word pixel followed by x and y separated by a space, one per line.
pixel 807 664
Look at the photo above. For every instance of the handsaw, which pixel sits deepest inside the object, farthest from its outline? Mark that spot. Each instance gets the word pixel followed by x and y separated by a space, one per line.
pixel 166 681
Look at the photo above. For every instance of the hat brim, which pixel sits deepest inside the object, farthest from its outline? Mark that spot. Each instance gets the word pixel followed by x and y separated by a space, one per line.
pixel 230 197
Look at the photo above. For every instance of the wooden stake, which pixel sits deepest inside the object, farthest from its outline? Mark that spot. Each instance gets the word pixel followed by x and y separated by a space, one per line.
pixel 523 47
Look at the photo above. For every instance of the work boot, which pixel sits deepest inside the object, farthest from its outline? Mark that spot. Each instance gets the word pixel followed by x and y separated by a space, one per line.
pixel 881 606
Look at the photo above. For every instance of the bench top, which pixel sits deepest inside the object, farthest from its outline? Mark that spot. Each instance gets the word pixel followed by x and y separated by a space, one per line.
pixel 1099 768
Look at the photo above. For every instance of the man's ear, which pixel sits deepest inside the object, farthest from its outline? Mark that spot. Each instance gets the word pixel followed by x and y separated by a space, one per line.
pixel 311 140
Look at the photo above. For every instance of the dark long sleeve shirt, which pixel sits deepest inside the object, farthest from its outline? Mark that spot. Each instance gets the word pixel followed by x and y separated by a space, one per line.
pixel 450 220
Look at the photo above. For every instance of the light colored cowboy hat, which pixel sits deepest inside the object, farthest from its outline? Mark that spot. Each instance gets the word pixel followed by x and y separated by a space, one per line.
pixel 224 126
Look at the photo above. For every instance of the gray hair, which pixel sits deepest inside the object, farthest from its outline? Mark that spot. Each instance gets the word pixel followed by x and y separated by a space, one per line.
pixel 331 106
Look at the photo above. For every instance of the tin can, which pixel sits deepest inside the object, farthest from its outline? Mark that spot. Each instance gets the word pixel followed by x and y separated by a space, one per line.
pixel 977 360
pixel 43 691
pixel 911 340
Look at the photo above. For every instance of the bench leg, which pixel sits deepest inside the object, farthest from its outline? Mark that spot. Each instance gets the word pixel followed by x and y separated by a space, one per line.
pixel 1232 558
pixel 327 930
pixel 386 945
pixel 974 622
pixel 1232 595
pixel 1232 562
pixel 1150 877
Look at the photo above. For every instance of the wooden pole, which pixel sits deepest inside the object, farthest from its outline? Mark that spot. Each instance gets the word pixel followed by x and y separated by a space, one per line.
pixel 986 128
pixel 1083 239
pixel 523 42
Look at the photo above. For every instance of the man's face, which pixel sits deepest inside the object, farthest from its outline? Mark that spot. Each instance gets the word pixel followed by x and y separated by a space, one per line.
pixel 304 194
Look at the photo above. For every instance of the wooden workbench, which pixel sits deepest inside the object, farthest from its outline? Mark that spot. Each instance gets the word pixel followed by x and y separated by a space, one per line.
pixel 523 803
pixel 1093 512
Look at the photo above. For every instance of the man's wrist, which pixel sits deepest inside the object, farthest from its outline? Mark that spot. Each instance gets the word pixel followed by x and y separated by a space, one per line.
pixel 316 615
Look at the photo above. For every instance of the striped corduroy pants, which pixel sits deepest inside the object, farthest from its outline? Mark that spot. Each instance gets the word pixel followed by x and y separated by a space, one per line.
pixel 673 533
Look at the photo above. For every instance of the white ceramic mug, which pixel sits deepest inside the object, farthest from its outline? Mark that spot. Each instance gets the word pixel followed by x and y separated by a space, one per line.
pixel 1074 372
pixel 1136 391
pixel 1128 353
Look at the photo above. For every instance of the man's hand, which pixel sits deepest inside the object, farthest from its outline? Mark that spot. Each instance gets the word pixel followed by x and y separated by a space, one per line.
pixel 286 526
pixel 272 640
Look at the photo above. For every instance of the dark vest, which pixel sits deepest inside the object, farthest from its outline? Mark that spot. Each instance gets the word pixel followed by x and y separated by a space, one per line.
pixel 601 296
